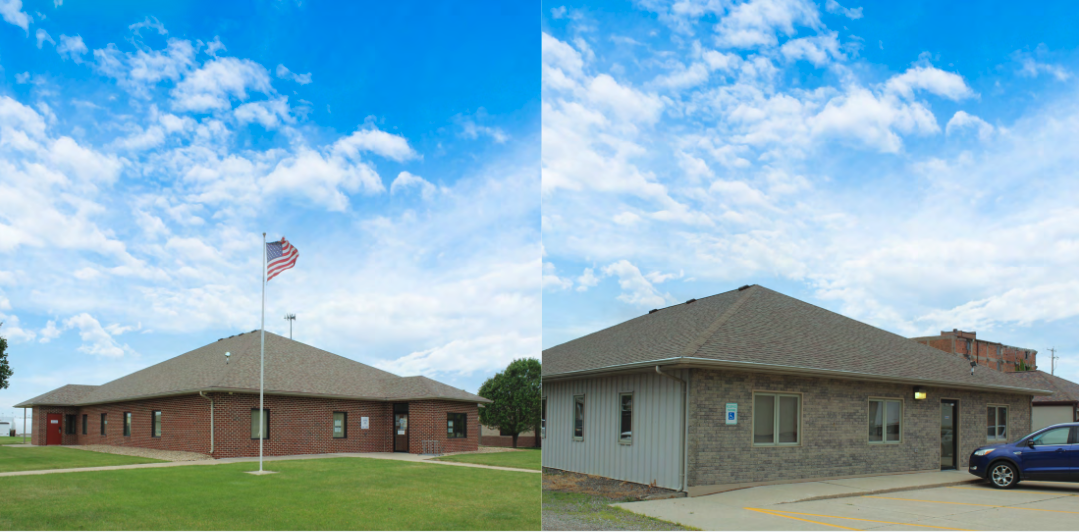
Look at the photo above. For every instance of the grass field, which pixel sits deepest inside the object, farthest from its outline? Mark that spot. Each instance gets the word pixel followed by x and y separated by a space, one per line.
pixel 324 494
pixel 522 459
pixel 56 457
pixel 7 440
pixel 580 511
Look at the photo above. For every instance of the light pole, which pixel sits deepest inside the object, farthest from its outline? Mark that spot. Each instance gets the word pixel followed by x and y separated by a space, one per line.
pixel 291 318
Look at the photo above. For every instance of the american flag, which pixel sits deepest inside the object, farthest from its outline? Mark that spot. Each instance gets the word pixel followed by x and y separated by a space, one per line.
pixel 280 256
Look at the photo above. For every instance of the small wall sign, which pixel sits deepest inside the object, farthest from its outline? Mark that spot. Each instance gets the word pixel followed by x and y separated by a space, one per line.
pixel 732 413
pixel 365 423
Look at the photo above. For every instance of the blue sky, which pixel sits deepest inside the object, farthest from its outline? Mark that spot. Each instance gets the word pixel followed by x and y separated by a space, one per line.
pixel 144 148
pixel 911 165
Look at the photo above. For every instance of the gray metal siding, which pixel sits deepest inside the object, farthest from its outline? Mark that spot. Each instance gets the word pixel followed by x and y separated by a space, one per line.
pixel 656 452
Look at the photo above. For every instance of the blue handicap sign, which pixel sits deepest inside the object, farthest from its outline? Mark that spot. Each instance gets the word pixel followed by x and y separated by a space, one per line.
pixel 730 415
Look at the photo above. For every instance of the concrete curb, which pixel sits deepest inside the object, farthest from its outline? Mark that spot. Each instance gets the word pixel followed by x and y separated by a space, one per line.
pixel 886 490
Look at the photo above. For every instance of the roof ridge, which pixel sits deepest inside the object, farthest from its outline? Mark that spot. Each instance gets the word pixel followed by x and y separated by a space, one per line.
pixel 692 347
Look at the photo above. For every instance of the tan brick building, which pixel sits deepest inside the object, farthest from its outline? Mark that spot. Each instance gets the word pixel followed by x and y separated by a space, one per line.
pixel 205 402
pixel 751 387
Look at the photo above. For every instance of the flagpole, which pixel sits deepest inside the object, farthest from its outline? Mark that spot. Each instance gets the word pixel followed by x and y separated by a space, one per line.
pixel 262 355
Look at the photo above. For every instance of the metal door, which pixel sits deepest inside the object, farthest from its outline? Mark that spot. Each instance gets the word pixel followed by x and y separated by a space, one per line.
pixel 53 429
pixel 400 427
pixel 949 425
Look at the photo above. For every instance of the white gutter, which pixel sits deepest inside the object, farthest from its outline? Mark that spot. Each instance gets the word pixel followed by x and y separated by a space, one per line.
pixel 211 421
pixel 685 427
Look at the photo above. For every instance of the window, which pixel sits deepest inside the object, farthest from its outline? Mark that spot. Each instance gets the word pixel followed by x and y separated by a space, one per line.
pixel 69 423
pixel 776 418
pixel 84 423
pixel 543 417
pixel 1053 437
pixel 456 425
pixel 578 417
pixel 104 422
pixel 255 423
pixel 127 423
pixel 997 423
pixel 885 420
pixel 155 424
pixel 625 434
pixel 340 424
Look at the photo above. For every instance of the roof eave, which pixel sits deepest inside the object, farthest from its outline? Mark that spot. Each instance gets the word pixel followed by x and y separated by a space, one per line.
pixel 691 362
pixel 216 389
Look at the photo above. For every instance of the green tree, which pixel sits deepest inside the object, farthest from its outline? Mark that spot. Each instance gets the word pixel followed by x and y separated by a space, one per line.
pixel 515 398
pixel 5 368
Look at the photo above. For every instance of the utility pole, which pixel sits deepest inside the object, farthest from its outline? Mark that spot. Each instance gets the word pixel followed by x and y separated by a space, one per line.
pixel 291 318
pixel 1053 360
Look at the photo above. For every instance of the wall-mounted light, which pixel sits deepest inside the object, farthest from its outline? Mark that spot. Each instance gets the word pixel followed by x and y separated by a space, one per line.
pixel 919 393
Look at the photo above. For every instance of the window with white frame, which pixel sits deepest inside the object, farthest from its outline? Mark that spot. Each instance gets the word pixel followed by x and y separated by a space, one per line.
pixel 578 417
pixel 777 418
pixel 543 417
pixel 625 434
pixel 885 420
pixel 997 423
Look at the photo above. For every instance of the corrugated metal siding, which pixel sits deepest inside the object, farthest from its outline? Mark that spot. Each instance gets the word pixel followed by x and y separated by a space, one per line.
pixel 656 451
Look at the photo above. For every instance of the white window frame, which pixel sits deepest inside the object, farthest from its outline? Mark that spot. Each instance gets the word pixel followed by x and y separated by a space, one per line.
pixel 573 417
pixel 543 417
pixel 775 420
pixel 884 432
pixel 1007 413
pixel 632 418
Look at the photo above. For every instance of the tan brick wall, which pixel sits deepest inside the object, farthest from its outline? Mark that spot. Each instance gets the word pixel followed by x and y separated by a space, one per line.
pixel 834 431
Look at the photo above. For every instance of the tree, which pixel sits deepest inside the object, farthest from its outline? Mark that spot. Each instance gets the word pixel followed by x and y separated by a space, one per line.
pixel 515 398
pixel 5 369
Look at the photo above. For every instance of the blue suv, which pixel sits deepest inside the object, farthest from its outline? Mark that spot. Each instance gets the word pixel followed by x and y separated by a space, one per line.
pixel 1050 454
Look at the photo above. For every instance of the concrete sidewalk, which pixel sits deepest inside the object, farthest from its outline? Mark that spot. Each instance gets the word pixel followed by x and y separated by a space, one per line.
pixel 403 457
pixel 704 512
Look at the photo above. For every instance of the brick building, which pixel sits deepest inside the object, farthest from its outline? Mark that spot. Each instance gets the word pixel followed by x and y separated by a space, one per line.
pixel 206 402
pixel 753 387
pixel 993 355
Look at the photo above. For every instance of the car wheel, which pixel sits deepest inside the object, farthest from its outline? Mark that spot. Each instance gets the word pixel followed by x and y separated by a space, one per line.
pixel 1003 475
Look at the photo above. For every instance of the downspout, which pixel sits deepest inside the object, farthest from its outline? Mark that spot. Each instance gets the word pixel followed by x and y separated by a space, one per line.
pixel 685 427
pixel 211 421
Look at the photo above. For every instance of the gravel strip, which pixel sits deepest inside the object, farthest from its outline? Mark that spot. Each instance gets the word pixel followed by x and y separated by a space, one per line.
pixel 157 454
pixel 616 490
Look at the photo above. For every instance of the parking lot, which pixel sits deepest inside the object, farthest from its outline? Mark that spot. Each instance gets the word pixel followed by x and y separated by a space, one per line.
pixel 1030 506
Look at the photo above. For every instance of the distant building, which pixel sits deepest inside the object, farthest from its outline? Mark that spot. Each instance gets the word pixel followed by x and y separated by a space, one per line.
pixel 492 437
pixel 993 355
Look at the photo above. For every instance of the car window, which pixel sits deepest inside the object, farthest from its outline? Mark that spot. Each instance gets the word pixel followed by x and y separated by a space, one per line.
pixel 1053 437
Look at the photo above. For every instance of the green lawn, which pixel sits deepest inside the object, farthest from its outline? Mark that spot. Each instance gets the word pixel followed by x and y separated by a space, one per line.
pixel 56 457
pixel 7 440
pixel 522 459
pixel 580 511
pixel 321 494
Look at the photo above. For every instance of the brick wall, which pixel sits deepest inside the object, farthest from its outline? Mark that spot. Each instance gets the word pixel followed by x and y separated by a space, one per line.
pixel 834 430
pixel 427 421
pixel 992 355
pixel 507 441
pixel 298 425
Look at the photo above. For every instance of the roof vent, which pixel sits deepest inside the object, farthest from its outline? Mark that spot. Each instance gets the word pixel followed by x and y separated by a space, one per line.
pixel 653 311
pixel 691 300
pixel 743 288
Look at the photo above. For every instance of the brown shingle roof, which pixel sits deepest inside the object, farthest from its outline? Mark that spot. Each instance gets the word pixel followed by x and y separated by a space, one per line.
pixel 292 368
pixel 757 328
pixel 64 395
pixel 1064 391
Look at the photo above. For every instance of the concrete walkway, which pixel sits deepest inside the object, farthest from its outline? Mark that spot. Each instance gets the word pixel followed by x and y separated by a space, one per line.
pixel 705 512
pixel 403 457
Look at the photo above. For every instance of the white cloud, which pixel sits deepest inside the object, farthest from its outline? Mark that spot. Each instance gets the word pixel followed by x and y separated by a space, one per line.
pixel 12 13
pixel 962 120
pixel 471 130
pixel 587 280
pixel 834 8
pixel 551 280
pixel 1031 68
pixel 374 140
pixel 72 47
pixel 406 180
pixel 50 332
pixel 269 113
pixel 138 72
pixel 819 50
pixel 217 82
pixel 42 36
pixel 636 289
pixel 95 339
pixel 930 79
pixel 285 73
pixel 756 23
pixel 11 330
pixel 323 178
pixel 150 23
pixel 466 357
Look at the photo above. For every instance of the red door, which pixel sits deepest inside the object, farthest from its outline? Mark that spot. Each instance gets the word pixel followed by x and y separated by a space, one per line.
pixel 53 436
